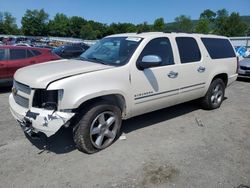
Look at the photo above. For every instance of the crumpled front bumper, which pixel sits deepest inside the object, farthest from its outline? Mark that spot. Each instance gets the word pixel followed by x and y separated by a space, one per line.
pixel 39 120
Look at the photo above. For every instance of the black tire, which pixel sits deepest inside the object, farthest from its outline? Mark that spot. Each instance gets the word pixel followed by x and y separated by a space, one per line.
pixel 83 138
pixel 209 102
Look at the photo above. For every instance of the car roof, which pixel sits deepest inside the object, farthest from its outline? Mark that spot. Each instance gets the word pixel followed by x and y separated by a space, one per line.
pixel 23 47
pixel 161 34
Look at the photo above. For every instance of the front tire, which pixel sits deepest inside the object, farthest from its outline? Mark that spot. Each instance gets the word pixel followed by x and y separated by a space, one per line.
pixel 215 95
pixel 98 128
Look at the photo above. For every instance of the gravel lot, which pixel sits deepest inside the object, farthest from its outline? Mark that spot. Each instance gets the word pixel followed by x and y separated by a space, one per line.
pixel 181 146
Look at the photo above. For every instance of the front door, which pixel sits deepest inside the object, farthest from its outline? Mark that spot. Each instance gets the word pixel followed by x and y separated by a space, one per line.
pixel 156 87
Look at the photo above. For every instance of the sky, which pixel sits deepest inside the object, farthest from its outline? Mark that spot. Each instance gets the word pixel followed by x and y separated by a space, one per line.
pixel 133 11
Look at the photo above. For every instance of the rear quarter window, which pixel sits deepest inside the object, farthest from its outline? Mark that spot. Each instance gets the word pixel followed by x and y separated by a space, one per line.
pixel 218 48
pixel 29 54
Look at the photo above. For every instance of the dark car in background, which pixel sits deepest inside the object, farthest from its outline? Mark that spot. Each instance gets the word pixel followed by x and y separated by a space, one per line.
pixel 15 57
pixel 70 51
pixel 43 46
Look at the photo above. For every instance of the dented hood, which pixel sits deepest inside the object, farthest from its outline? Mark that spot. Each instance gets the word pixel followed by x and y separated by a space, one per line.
pixel 40 75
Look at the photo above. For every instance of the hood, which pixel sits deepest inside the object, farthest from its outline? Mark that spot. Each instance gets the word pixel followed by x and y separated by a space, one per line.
pixel 40 75
pixel 245 62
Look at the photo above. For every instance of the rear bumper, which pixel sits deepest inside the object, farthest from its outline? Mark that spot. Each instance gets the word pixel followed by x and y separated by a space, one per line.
pixel 39 120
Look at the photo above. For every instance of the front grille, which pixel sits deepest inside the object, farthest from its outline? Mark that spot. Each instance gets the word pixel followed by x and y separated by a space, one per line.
pixel 22 87
pixel 21 93
pixel 244 68
pixel 22 101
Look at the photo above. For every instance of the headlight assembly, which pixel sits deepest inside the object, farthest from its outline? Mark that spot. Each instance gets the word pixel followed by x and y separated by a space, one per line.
pixel 47 99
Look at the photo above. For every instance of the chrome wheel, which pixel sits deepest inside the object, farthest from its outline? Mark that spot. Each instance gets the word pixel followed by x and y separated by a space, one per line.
pixel 217 95
pixel 103 129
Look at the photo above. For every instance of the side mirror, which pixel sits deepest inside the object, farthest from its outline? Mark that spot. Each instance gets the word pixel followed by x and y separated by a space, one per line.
pixel 150 61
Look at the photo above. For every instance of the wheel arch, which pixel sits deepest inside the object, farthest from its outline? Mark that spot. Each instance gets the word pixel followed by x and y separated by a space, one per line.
pixel 222 76
pixel 117 99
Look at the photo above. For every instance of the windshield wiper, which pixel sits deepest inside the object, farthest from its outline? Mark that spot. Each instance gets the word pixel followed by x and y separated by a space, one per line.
pixel 81 58
pixel 93 59
pixel 97 60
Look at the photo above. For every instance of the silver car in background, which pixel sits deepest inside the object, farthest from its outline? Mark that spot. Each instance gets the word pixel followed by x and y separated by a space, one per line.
pixel 244 68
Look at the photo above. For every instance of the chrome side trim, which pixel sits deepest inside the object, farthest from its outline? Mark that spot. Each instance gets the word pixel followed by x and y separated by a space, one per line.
pixel 192 85
pixel 157 98
pixel 156 94
pixel 181 90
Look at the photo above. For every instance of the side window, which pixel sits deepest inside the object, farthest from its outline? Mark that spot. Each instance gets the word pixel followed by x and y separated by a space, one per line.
pixel 218 48
pixel 68 48
pixel 36 52
pixel 2 55
pixel 17 54
pixel 160 47
pixel 29 54
pixel 188 49
pixel 75 48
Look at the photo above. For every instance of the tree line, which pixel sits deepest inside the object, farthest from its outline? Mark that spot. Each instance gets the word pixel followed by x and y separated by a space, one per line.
pixel 37 23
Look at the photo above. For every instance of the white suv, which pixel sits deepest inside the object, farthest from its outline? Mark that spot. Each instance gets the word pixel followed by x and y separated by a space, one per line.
pixel 120 77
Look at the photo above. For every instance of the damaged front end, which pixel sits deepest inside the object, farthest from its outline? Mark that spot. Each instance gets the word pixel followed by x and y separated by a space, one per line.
pixel 38 110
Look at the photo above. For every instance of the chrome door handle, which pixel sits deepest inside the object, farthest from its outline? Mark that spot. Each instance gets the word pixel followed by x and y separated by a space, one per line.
pixel 172 74
pixel 201 69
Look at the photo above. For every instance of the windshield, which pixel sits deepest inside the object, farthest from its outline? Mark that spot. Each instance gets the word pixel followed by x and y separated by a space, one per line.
pixel 112 50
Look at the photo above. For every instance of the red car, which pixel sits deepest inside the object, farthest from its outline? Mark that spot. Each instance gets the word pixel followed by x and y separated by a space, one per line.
pixel 15 57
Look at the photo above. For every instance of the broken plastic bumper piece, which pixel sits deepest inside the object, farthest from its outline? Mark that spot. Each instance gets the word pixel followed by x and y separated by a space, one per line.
pixel 36 120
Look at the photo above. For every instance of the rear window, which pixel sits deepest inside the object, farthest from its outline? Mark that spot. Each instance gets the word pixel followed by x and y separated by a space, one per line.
pixel 17 54
pixel 218 48
pixel 188 49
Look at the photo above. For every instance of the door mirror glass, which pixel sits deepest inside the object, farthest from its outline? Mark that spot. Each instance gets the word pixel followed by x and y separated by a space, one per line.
pixel 150 61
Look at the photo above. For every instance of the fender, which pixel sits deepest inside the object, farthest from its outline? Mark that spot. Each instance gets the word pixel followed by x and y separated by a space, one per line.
pixel 85 98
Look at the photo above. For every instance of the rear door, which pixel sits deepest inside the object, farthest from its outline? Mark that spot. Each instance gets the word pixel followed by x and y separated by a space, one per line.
pixel 3 63
pixel 193 68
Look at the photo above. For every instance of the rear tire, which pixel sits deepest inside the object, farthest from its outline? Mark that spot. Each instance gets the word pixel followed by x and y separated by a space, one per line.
pixel 98 127
pixel 215 95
